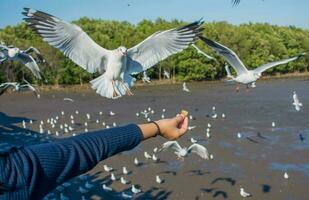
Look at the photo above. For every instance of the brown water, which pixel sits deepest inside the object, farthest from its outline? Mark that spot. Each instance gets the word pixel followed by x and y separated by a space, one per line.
pixel 256 162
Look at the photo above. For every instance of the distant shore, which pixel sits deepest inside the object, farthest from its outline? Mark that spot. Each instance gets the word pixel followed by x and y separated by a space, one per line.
pixel 139 83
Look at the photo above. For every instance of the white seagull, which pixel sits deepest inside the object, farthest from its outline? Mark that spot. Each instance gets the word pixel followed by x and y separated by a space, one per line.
pixel 166 74
pixel 15 54
pixel 244 76
pixel 296 102
pixel 183 152
pixel 145 78
pixel 243 193
pixel 184 87
pixel 118 64
pixel 19 87
pixel 203 53
pixel 135 190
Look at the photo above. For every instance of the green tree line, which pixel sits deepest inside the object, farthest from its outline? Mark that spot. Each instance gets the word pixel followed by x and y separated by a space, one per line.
pixel 255 43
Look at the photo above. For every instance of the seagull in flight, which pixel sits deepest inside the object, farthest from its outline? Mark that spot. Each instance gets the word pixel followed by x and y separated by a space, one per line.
pixel 18 87
pixel 115 66
pixel 166 74
pixel 145 78
pixel 12 53
pixel 184 87
pixel 296 102
pixel 182 152
pixel 244 76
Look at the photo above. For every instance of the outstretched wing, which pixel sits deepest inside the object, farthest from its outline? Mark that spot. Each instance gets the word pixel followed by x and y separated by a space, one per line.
pixel 170 144
pixel 70 39
pixel 200 150
pixel 30 64
pixel 267 66
pixel 5 86
pixel 203 53
pixel 229 55
pixel 161 45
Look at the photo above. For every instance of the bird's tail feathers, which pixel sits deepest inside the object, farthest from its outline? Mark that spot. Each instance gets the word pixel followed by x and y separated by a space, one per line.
pixel 112 89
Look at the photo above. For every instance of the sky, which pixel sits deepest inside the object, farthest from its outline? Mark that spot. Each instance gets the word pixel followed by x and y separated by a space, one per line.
pixel 279 12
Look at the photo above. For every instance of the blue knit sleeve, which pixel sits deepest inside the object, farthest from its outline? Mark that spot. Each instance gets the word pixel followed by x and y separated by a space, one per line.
pixel 44 166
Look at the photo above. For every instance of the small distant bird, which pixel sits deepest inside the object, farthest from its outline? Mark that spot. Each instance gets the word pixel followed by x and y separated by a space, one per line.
pixel 145 78
pixel 155 150
pixel 147 155
pixel 211 156
pixel 273 124
pixel 223 116
pixel 125 170
pixel 113 177
pixel 214 116
pixel 119 64
pixel 190 117
pixel 163 110
pixel 183 152
pixel 209 125
pixel 286 176
pixel 193 140
pixel 135 190
pixel 88 116
pixel 106 188
pixel 166 74
pixel 137 114
pixel 203 53
pixel 77 112
pixel 243 193
pixel 136 162
pixel 107 168
pixel 158 179
pixel 184 87
pixel 111 113
pixel 239 135
pixel 154 158
pixel 162 116
pixel 244 76
pixel 191 128
pixel 124 181
pixel 68 99
pixel 208 135
pixel 296 102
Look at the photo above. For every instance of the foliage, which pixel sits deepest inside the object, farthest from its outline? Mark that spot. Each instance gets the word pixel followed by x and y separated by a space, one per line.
pixel 254 43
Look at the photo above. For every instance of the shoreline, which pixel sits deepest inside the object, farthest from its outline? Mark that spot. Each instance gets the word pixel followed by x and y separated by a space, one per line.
pixel 139 83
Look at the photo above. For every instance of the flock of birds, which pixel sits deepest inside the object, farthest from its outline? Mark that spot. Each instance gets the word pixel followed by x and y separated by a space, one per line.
pixel 118 66
pixel 71 124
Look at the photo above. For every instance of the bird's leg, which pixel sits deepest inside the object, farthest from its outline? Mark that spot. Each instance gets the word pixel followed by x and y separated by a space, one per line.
pixel 128 91
pixel 237 87
pixel 114 91
pixel 248 88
